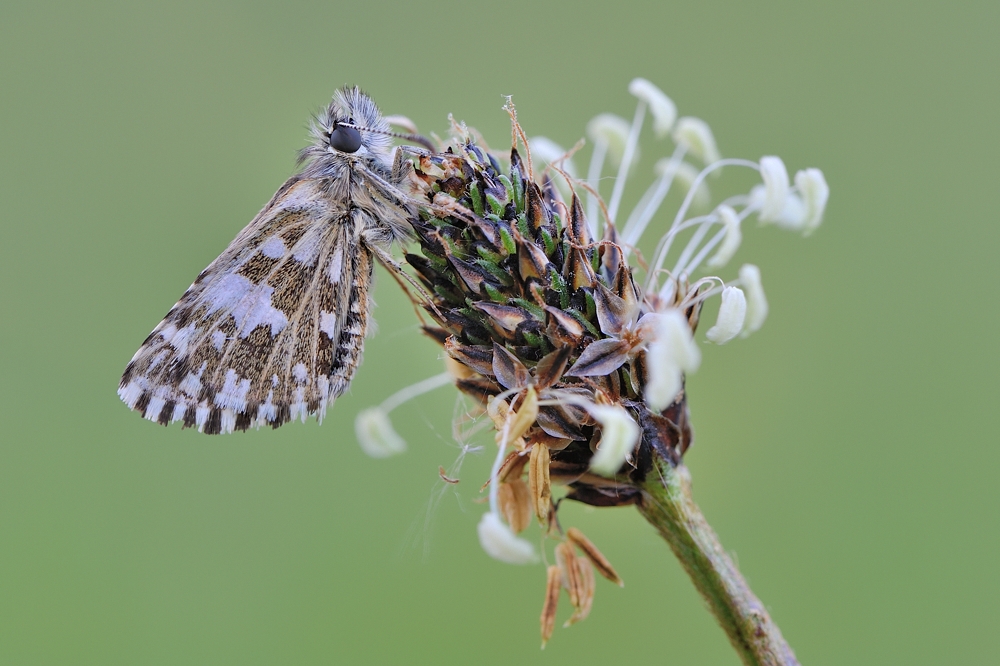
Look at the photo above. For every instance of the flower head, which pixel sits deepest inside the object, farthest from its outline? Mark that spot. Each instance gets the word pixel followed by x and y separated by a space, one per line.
pixel 578 357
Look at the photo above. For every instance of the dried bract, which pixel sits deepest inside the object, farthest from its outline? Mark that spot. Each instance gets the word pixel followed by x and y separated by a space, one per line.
pixel 553 585
pixel 515 504
pixel 539 482
pixel 600 562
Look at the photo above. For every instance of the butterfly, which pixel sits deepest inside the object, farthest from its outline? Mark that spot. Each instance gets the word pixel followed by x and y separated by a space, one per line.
pixel 273 329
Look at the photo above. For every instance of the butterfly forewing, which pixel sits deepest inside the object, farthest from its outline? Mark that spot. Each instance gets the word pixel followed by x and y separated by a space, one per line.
pixel 271 331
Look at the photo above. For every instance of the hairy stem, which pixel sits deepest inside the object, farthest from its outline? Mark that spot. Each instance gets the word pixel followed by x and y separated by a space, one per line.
pixel 667 504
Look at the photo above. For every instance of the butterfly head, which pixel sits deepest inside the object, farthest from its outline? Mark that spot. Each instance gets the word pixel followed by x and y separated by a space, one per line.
pixel 353 125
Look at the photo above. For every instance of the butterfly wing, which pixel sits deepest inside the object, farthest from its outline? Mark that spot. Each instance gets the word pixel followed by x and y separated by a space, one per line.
pixel 272 330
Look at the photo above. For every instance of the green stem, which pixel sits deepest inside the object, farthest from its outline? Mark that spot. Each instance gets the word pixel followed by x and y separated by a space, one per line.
pixel 667 504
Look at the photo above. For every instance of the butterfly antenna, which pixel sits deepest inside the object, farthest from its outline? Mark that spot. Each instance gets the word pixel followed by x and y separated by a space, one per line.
pixel 415 138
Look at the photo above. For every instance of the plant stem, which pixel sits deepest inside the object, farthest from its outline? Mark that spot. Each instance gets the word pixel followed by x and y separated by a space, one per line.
pixel 667 504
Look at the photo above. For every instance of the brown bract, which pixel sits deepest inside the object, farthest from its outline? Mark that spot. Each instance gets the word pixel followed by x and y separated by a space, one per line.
pixel 587 547
pixel 552 587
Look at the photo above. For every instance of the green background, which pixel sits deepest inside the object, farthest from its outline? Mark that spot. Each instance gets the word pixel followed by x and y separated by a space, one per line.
pixel 846 454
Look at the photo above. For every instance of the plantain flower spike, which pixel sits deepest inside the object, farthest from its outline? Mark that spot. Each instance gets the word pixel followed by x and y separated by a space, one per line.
pixel 578 354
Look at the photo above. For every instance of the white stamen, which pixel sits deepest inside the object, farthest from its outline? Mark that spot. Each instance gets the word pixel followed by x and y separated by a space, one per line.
pixel 697 136
pixel 815 192
pixel 373 427
pixel 687 175
pixel 410 392
pixel 376 435
pixel 732 314
pixel 593 178
pixel 611 131
pixel 732 238
pixel 639 218
pixel 630 157
pixel 619 436
pixel 671 351
pixel 663 247
pixel 793 215
pixel 662 108
pixel 402 122
pixel 775 177
pixel 756 311
pixel 500 542
pixel 693 243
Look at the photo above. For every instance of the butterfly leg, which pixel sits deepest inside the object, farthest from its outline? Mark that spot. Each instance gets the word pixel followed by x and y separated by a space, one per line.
pixel 398 274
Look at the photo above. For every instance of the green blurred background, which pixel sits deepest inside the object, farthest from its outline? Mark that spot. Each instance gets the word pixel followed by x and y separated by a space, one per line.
pixel 846 454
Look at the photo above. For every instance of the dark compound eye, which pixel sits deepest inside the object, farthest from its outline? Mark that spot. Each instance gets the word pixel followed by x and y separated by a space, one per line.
pixel 345 139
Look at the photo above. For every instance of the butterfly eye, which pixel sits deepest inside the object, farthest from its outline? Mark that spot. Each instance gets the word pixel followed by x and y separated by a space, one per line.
pixel 345 139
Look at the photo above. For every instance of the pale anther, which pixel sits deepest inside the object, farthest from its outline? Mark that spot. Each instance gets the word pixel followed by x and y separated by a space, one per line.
pixel 500 542
pixel 697 136
pixel 612 131
pixel 814 192
pixel 662 108
pixel 670 352
pixel 619 436
pixel 732 314
pixel 732 238
pixel 686 176
pixel 756 311
pixel 776 187
pixel 376 435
